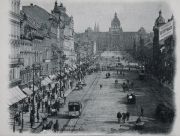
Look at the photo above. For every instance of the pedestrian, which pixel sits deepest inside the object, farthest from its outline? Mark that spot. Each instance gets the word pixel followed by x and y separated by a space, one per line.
pixel 38 105
pixel 37 116
pixel 49 108
pixel 19 118
pixel 123 117
pixel 46 105
pixel 42 105
pixel 142 111
pixel 56 126
pixel 119 117
pixel 100 86
pixel 32 101
pixel 31 119
pixel 29 100
pixel 127 116
pixel 36 98
pixel 138 120
pixel 64 100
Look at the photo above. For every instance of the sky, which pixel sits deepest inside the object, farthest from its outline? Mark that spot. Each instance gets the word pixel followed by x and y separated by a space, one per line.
pixel 132 15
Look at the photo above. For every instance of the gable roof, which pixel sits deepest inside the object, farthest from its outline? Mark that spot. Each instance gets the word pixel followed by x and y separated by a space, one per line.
pixel 37 13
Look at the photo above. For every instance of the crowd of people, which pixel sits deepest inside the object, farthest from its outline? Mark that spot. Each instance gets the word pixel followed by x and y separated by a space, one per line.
pixel 125 117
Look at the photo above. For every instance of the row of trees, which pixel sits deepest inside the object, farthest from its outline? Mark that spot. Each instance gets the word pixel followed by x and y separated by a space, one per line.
pixel 163 67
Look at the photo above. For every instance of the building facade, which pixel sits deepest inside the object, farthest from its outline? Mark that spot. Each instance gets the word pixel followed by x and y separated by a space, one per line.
pixel 163 52
pixel 115 39
pixel 66 32
pixel 40 44
pixel 16 62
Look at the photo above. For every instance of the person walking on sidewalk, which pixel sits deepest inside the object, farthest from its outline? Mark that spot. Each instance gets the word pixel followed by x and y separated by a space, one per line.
pixel 123 117
pixel 127 116
pixel 42 105
pixel 100 86
pixel 142 111
pixel 56 126
pixel 119 117
pixel 37 116
pixel 31 118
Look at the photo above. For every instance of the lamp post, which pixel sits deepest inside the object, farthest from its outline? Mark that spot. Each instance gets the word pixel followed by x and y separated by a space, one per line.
pixel 22 121
pixel 33 104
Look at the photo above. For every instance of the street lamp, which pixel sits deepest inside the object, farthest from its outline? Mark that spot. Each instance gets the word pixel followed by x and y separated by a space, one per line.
pixel 22 121
pixel 33 104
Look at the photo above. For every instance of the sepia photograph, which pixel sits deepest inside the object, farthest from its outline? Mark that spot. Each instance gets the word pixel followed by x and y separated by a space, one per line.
pixel 91 67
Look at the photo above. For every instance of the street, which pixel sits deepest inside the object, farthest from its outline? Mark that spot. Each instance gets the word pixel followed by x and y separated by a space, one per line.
pixel 100 105
pixel 106 71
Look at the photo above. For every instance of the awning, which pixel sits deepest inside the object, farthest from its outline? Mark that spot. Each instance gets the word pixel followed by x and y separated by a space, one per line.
pixel 74 66
pixel 52 77
pixel 46 81
pixel 16 95
pixel 27 91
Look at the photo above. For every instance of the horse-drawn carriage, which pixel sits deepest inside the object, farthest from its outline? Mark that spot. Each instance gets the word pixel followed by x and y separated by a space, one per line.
pixel 131 98
pixel 74 109
pixel 78 87
pixel 81 83
pixel 108 75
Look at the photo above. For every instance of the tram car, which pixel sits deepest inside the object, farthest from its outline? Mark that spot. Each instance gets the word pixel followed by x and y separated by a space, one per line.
pixel 74 109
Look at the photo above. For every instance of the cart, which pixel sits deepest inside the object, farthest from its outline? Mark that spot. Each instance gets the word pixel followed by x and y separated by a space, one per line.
pixel 131 98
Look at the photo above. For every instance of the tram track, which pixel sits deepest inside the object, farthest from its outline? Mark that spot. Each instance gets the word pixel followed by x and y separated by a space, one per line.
pixel 71 123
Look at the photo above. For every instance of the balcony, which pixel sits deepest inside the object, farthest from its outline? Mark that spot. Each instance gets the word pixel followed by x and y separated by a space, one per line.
pixel 15 62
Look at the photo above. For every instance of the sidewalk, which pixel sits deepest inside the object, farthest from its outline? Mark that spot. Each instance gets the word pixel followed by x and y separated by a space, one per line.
pixel 169 86
pixel 26 122
pixel 37 125
pixel 62 116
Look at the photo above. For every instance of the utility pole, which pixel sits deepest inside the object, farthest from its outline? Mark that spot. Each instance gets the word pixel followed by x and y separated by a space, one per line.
pixel 78 59
pixel 33 106
pixel 22 122
pixel 60 82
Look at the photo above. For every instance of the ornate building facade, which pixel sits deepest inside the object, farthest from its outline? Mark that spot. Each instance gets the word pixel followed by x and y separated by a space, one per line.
pixel 66 33
pixel 115 39
pixel 39 43
pixel 163 52
pixel 16 62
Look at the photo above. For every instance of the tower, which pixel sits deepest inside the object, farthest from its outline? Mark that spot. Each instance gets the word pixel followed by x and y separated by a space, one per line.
pixel 96 27
pixel 134 48
pixel 156 47
pixel 115 25
pixel 115 34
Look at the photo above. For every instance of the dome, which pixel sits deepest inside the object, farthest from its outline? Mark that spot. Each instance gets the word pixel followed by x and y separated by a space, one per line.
pixel 142 30
pixel 160 20
pixel 115 21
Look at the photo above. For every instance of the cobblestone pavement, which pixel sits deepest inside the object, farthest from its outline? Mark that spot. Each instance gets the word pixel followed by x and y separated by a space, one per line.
pixel 102 105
